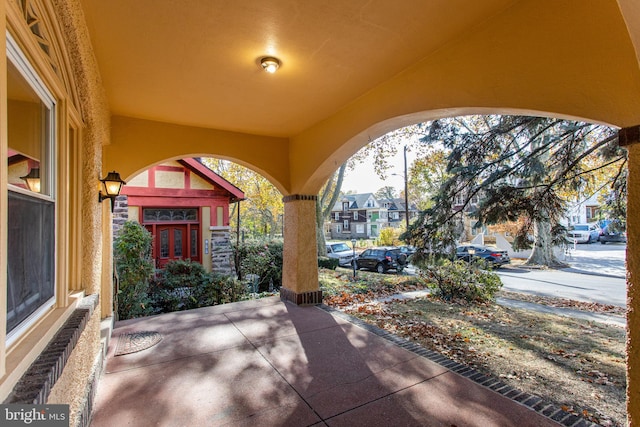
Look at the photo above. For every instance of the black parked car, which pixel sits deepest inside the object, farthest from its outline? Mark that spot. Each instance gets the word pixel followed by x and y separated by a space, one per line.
pixel 492 255
pixel 613 232
pixel 382 259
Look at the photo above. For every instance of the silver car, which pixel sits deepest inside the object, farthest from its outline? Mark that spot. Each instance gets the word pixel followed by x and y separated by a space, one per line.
pixel 583 233
pixel 342 252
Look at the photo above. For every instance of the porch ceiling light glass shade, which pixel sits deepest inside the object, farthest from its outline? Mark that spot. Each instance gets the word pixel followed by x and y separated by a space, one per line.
pixel 33 180
pixel 111 184
pixel 270 64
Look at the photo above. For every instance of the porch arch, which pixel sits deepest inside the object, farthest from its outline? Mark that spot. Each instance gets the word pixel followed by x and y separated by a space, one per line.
pixel 353 144
pixel 138 144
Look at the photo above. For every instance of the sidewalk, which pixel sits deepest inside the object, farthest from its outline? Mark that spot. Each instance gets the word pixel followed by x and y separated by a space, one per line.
pixel 559 311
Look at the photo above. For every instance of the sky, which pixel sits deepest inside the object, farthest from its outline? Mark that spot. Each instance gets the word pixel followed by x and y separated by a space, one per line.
pixel 364 180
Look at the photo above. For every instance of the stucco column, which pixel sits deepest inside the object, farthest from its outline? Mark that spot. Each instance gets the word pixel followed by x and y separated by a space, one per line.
pixel 300 258
pixel 630 139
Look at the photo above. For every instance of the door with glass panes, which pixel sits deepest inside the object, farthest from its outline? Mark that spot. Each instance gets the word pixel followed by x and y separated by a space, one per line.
pixel 175 242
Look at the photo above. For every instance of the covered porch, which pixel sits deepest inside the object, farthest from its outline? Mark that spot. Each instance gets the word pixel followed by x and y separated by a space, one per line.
pixel 93 86
pixel 272 363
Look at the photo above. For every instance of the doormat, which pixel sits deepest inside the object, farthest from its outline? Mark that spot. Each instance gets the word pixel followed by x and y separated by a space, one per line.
pixel 136 341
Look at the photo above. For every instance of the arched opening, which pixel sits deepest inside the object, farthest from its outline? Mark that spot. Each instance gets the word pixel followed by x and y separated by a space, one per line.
pixel 598 258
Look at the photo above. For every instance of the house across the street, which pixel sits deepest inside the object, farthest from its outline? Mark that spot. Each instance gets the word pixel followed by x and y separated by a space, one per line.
pixel 362 216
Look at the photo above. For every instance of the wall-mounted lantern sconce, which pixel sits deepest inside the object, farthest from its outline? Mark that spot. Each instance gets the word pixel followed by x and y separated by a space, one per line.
pixel 111 184
pixel 270 64
pixel 33 180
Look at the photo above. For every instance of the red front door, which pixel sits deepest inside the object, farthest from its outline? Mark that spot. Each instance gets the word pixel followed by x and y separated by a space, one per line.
pixel 171 243
pixel 174 242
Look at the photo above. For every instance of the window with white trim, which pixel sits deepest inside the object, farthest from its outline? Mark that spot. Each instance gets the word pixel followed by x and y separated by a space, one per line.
pixel 355 216
pixel 345 225
pixel 31 206
pixel 337 216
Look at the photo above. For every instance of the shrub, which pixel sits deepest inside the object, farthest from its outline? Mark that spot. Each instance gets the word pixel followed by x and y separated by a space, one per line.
pixel 225 289
pixel 182 286
pixel 263 260
pixel 132 256
pixel 388 236
pixel 185 285
pixel 459 280
pixel 326 262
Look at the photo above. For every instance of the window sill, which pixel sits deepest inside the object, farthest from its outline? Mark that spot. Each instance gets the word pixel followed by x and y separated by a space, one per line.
pixel 24 353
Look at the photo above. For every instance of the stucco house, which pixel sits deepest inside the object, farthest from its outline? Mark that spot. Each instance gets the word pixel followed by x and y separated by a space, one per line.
pixel 185 206
pixel 92 86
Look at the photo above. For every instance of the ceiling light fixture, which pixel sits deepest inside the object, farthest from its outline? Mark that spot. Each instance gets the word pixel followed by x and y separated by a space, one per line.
pixel 270 64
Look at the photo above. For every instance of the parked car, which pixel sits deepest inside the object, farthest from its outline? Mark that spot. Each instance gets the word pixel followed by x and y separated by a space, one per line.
pixel 382 259
pixel 613 232
pixel 408 251
pixel 342 252
pixel 583 233
pixel 497 258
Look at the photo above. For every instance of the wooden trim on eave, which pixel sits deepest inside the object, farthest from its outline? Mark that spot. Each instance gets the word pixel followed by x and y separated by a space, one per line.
pixel 629 136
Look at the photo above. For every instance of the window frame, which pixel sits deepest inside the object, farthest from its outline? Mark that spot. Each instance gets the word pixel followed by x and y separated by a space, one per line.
pixel 15 56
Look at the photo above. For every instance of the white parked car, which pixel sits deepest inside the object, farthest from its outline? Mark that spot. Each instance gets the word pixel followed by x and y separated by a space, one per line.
pixel 341 251
pixel 583 233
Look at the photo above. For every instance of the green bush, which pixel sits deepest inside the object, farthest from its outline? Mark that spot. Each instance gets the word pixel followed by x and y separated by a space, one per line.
pixel 132 256
pixel 182 286
pixel 326 262
pixel 185 285
pixel 262 259
pixel 459 280
pixel 388 236
pixel 225 289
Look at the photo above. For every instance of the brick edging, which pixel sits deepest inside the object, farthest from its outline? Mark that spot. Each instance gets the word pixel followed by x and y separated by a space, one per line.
pixel 304 298
pixel 534 402
pixel 36 383
pixel 295 197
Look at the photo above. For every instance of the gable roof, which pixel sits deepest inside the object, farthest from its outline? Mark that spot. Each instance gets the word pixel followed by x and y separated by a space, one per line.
pixel 207 174
pixel 356 201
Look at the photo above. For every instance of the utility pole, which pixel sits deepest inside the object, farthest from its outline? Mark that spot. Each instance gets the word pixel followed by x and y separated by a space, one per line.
pixel 406 190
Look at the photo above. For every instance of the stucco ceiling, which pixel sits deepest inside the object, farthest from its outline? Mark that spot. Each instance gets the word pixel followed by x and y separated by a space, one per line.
pixel 196 62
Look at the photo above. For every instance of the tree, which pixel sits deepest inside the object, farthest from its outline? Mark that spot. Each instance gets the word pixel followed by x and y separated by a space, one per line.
pixel 520 166
pixel 386 193
pixel 326 200
pixel 263 209
pixel 425 176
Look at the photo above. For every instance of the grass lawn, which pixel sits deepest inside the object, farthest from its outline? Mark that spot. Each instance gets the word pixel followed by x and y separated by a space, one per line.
pixel 573 363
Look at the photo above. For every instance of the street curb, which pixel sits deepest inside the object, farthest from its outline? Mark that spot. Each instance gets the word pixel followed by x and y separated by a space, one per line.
pixel 591 273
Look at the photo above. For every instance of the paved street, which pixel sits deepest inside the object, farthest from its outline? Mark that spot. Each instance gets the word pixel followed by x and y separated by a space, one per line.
pixel 596 274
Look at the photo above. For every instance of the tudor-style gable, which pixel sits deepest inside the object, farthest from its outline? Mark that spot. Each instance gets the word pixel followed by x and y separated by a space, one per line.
pixel 180 202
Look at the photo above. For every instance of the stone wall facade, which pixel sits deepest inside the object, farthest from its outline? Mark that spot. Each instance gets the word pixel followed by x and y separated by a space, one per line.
pixel 222 261
pixel 120 213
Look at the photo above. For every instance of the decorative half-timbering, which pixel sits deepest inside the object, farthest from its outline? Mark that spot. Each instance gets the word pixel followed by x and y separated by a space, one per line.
pixel 180 202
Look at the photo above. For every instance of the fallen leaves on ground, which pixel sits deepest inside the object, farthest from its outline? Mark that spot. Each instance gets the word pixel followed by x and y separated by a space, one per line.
pixel 571 363
pixel 592 307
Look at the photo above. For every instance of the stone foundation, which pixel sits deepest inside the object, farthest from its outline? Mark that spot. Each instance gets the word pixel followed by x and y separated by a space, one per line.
pixel 222 261
pixel 120 213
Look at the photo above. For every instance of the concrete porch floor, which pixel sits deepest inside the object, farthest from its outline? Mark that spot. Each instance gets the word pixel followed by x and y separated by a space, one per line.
pixel 270 363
